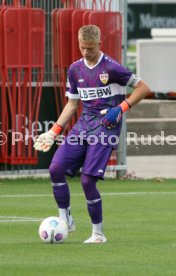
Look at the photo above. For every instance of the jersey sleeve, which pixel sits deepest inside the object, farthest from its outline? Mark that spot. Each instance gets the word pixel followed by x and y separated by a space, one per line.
pixel 133 80
pixel 71 86
pixel 125 77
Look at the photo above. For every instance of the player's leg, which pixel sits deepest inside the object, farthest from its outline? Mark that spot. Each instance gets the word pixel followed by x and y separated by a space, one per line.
pixel 94 167
pixel 61 193
pixel 67 160
pixel 94 207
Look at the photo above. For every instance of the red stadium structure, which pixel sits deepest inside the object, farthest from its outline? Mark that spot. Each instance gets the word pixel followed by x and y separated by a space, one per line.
pixel 22 61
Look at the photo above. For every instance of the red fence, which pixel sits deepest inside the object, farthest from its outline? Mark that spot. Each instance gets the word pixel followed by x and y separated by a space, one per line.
pixel 21 63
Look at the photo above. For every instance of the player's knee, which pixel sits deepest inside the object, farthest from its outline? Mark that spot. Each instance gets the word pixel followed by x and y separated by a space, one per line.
pixel 89 187
pixel 85 180
pixel 56 172
pixel 88 181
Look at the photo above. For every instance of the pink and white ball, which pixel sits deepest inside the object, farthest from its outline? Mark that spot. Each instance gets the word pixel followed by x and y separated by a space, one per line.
pixel 53 230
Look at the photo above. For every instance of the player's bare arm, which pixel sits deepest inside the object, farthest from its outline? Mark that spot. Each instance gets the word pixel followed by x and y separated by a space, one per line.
pixel 68 111
pixel 45 141
pixel 141 90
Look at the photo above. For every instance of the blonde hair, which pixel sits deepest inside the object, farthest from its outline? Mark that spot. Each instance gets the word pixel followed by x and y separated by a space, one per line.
pixel 89 33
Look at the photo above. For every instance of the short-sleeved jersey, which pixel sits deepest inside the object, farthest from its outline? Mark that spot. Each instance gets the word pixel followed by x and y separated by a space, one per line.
pixel 99 87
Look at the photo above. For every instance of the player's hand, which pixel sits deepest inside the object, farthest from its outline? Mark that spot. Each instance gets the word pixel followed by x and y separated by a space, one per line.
pixel 114 114
pixel 45 141
pixel 112 117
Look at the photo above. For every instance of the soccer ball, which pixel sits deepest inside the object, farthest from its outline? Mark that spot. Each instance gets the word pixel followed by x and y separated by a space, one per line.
pixel 53 230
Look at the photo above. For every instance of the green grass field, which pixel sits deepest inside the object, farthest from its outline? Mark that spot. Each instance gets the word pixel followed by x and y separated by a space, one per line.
pixel 139 223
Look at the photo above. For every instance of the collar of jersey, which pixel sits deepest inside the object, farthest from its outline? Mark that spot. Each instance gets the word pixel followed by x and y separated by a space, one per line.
pixel 91 67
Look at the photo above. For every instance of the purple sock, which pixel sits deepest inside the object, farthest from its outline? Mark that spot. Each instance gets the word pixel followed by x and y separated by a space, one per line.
pixel 94 203
pixel 62 195
pixel 60 187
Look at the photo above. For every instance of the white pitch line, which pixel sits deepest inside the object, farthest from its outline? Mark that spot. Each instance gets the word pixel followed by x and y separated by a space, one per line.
pixel 35 195
pixel 103 194
pixel 18 219
pixel 138 193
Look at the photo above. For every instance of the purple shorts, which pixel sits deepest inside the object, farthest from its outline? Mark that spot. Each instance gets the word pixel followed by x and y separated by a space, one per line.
pixel 91 158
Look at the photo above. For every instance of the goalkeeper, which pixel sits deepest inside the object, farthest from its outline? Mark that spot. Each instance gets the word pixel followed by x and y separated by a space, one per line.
pixel 98 81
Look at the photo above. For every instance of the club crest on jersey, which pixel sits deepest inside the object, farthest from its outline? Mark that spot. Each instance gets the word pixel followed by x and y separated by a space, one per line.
pixel 104 78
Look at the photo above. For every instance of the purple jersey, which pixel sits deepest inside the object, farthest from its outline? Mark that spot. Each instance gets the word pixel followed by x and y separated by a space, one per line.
pixel 99 87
